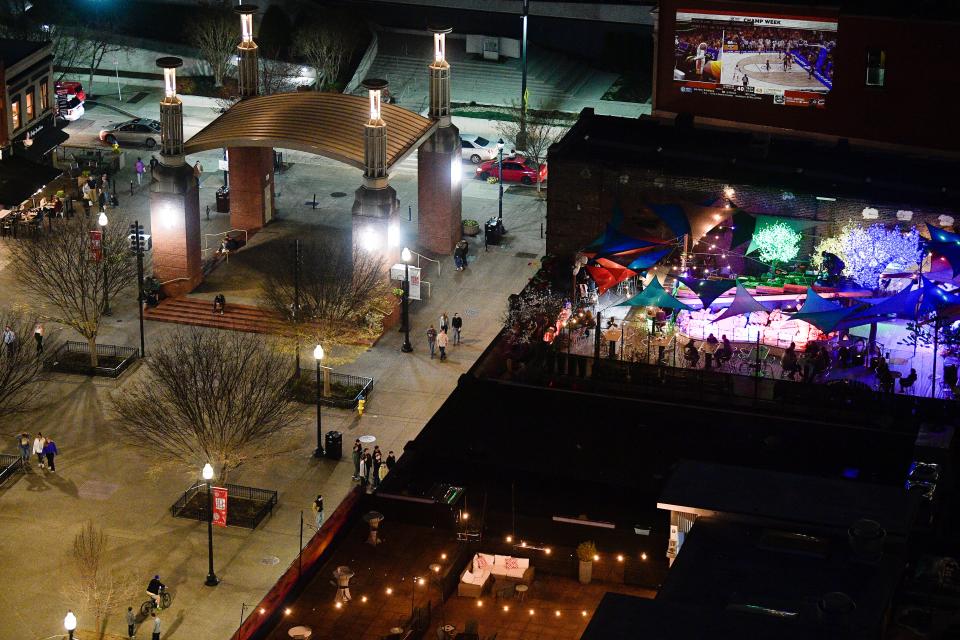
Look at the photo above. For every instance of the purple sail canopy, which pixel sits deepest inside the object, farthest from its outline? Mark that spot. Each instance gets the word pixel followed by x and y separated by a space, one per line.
pixel 743 303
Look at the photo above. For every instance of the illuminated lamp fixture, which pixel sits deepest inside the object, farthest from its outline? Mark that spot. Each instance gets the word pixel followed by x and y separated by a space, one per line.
pixel 169 66
pixel 945 221
pixel 729 192
pixel 870 213
pixel 370 240
pixel 375 89
pixel 439 43
pixel 904 216
pixel 246 22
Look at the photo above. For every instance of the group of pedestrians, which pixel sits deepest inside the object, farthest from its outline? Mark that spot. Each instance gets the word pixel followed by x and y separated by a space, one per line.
pixel 367 464
pixel 44 448
pixel 440 339
pixel 154 622
pixel 10 338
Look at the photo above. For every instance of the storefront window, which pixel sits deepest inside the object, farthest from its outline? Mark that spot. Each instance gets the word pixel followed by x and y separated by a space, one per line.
pixel 876 67
pixel 30 112
pixel 15 112
pixel 44 94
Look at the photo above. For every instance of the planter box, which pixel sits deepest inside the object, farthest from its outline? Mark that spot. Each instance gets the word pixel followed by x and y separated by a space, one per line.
pixel 471 230
pixel 345 390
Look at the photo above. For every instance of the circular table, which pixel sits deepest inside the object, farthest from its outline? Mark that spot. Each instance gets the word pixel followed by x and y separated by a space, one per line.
pixel 367 439
pixel 300 633
pixel 521 590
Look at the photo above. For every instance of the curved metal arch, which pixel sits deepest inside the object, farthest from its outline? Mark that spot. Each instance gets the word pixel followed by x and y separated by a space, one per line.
pixel 326 124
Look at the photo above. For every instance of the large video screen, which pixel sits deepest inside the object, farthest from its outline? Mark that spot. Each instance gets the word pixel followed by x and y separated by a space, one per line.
pixel 784 60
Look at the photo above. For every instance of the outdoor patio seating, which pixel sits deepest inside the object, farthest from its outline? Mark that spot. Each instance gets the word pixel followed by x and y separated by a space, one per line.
pixel 503 569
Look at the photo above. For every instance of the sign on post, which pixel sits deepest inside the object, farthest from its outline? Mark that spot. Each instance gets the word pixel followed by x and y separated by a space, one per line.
pixel 220 506
pixel 96 246
pixel 397 273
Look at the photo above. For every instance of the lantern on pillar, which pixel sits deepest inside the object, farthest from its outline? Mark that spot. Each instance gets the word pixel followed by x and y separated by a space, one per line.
pixel 440 77
pixel 247 53
pixel 171 113
pixel 375 137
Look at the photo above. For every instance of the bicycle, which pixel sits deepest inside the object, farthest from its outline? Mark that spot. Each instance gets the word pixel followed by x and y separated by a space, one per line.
pixel 150 605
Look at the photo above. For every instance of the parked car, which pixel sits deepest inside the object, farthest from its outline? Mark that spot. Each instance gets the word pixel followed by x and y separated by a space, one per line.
pixel 476 149
pixel 71 110
pixel 70 98
pixel 515 169
pixel 137 131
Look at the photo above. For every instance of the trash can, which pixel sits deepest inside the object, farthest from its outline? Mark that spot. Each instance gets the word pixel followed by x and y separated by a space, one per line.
pixel 223 200
pixel 333 445
pixel 491 232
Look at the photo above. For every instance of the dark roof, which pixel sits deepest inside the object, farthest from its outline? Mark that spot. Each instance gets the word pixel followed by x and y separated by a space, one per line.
pixel 13 51
pixel 822 503
pixel 20 179
pixel 792 163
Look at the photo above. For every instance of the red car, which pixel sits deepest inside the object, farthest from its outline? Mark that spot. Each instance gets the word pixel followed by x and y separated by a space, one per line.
pixel 515 169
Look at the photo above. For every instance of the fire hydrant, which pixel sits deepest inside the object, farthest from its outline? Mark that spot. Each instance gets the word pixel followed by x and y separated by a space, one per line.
pixel 361 404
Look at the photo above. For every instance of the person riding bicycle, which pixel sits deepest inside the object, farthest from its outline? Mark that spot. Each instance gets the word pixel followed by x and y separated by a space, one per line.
pixel 154 589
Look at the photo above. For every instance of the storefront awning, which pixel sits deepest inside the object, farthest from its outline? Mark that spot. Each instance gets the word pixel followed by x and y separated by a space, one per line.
pixel 21 178
pixel 43 143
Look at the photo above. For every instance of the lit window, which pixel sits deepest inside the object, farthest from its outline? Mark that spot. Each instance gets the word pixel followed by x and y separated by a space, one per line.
pixel 30 113
pixel 876 67
pixel 15 112
pixel 44 94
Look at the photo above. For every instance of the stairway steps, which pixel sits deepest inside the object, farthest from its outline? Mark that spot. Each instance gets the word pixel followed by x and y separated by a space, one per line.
pixel 199 312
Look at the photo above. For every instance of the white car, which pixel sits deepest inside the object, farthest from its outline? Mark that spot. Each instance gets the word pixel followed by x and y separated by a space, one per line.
pixel 477 149
pixel 73 110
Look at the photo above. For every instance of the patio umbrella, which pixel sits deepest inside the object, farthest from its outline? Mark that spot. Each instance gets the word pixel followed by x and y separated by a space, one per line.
pixel 654 296
pixel 743 303
pixel 708 290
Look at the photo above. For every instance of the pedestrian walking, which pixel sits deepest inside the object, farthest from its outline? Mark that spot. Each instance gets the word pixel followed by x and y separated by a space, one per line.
pixel 444 321
pixel 460 254
pixel 131 623
pixel 102 201
pixel 442 344
pixel 50 451
pixel 140 169
pixel 318 510
pixel 9 340
pixel 367 466
pixel 357 452
pixel 391 460
pixel 23 443
pixel 457 324
pixel 432 340
pixel 377 463
pixel 362 472
pixel 156 625
pixel 38 443
pixel 197 172
pixel 38 332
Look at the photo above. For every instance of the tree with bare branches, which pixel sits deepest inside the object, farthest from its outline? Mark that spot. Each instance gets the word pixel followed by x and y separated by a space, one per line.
pixel 543 128
pixel 21 366
pixel 209 396
pixel 216 33
pixel 326 46
pixel 97 587
pixel 61 267
pixel 276 75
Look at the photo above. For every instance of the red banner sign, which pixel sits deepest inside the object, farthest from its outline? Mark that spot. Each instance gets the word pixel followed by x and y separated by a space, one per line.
pixel 96 245
pixel 220 506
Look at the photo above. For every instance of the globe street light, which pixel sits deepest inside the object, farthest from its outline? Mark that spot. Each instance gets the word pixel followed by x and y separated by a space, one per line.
pixel 500 176
pixel 212 579
pixel 406 256
pixel 70 623
pixel 102 221
pixel 318 356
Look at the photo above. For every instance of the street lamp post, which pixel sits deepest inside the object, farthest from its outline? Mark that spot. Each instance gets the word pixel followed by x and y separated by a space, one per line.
pixel 212 579
pixel 318 356
pixel 70 624
pixel 406 256
pixel 522 134
pixel 500 178
pixel 102 221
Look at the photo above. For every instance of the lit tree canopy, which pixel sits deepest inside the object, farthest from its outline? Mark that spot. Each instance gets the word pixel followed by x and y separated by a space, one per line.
pixel 777 243
pixel 869 251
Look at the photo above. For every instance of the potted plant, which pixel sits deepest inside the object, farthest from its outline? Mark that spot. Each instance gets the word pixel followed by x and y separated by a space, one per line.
pixel 586 553
pixel 471 227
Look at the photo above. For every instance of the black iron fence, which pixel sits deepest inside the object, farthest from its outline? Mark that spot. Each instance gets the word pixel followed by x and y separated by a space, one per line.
pixel 74 357
pixel 345 390
pixel 246 506
pixel 9 465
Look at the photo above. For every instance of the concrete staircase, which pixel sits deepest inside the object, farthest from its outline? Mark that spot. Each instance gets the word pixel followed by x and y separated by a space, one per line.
pixel 199 313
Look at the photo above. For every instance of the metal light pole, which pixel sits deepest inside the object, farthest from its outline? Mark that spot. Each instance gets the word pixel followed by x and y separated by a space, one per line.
pixel 140 299
pixel 102 221
pixel 212 579
pixel 522 135
pixel 296 301
pixel 318 356
pixel 500 178
pixel 405 302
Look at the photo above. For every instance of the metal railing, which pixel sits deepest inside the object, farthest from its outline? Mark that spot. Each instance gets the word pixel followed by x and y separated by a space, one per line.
pixel 364 384
pixel 265 498
pixel 221 235
pixel 126 354
pixel 9 465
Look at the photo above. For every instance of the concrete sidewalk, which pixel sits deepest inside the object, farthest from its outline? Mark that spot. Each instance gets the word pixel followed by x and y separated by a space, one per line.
pixel 118 487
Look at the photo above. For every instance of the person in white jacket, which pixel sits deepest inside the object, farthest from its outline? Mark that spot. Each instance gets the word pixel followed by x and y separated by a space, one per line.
pixel 38 443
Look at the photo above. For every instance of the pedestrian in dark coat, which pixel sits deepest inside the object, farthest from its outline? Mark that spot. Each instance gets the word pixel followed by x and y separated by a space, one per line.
pixel 457 324
pixel 50 451
pixel 357 452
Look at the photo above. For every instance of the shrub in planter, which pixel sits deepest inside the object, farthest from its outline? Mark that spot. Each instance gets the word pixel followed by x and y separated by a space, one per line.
pixel 586 552
pixel 471 227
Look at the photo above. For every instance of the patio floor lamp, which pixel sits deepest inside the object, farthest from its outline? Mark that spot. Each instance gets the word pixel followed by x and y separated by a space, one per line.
pixel 406 256
pixel 102 221
pixel 70 624
pixel 212 579
pixel 318 356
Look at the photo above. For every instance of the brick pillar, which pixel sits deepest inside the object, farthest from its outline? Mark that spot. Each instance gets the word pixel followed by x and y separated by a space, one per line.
pixel 439 175
pixel 175 225
pixel 251 187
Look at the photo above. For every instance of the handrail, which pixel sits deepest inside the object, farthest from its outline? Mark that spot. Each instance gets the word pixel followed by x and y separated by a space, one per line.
pixel 174 280
pixel 207 247
pixel 420 255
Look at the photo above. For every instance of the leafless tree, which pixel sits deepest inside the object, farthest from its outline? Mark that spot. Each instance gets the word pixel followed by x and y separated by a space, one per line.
pixel 216 33
pixel 343 292
pixel 98 587
pixel 529 313
pixel 544 128
pixel 69 51
pixel 326 47
pixel 276 75
pixel 20 365
pixel 61 267
pixel 209 396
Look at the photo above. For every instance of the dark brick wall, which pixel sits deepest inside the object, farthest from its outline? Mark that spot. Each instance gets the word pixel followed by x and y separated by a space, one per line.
pixel 439 201
pixel 175 225
pixel 251 170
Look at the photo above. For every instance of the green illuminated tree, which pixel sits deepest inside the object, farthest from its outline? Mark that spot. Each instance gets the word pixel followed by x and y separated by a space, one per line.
pixel 777 243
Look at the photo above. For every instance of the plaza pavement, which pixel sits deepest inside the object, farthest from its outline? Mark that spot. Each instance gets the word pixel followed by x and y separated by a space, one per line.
pixel 116 485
